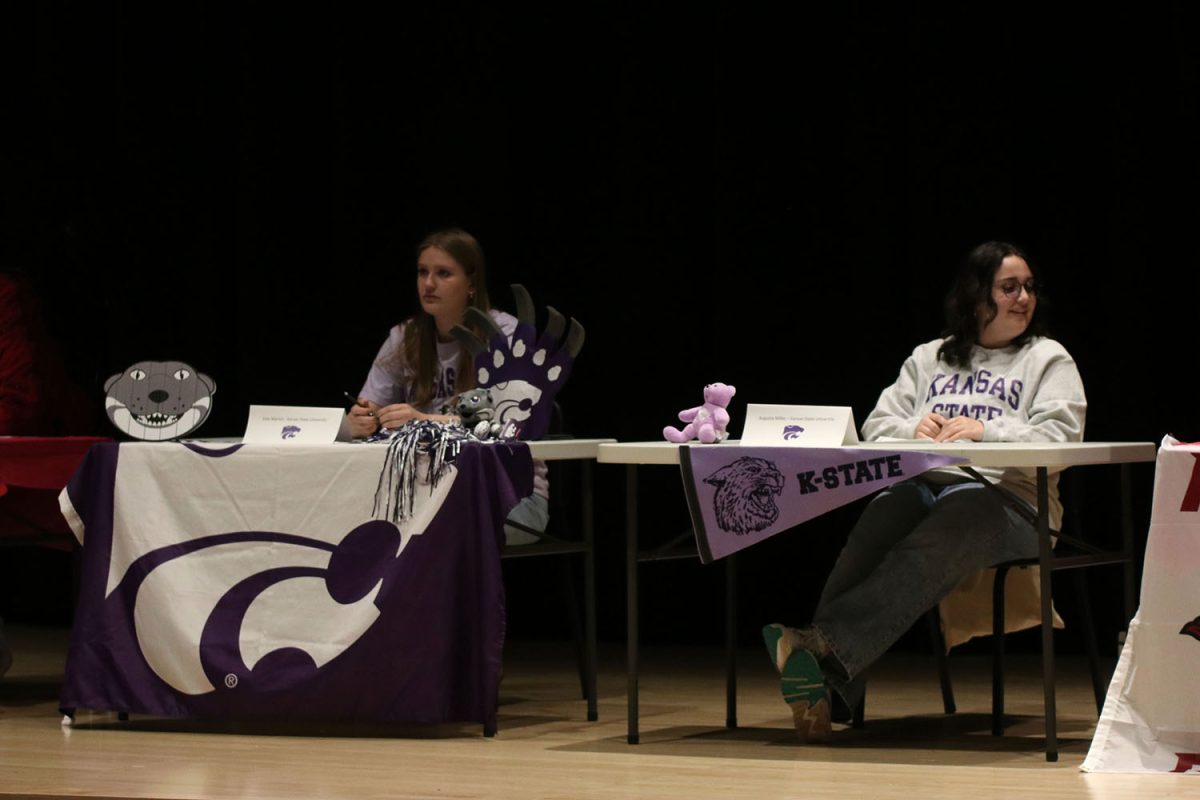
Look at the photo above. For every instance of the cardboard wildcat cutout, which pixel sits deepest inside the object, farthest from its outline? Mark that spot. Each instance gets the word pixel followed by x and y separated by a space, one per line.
pixel 158 400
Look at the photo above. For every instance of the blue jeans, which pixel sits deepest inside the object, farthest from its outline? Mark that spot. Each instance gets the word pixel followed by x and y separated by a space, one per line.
pixel 912 545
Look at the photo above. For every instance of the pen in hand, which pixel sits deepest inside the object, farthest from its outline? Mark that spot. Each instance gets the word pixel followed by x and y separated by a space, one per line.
pixel 355 402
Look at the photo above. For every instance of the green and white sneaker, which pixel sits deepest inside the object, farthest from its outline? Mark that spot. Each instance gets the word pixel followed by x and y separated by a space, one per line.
pixel 796 653
pixel 782 641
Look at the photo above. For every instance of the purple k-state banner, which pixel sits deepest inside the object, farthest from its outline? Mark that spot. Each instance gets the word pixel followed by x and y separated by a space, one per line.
pixel 257 581
pixel 739 496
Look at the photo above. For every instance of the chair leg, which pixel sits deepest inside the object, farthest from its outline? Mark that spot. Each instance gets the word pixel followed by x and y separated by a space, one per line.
pixel 998 651
pixel 943 662
pixel 858 717
pixel 938 642
pixel 1099 685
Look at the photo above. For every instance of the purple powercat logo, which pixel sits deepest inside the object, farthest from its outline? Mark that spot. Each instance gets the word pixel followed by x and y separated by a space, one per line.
pixel 792 431
pixel 289 431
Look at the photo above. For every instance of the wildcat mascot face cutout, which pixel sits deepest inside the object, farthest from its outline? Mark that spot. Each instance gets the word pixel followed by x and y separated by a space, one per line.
pixel 158 400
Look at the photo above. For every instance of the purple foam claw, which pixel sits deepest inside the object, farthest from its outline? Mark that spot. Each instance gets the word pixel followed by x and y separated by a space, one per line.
pixel 526 374
pixel 556 323
pixel 575 337
pixel 525 310
pixel 575 334
pixel 469 339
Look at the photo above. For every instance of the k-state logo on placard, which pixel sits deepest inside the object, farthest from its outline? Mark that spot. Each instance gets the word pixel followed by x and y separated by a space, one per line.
pixel 792 431
pixel 289 431
pixel 745 498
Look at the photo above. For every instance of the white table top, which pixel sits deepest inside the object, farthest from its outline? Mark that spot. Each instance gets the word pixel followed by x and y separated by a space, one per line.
pixel 546 450
pixel 562 449
pixel 980 454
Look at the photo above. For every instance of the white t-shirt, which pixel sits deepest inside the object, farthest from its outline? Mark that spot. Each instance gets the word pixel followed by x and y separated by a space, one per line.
pixel 391 381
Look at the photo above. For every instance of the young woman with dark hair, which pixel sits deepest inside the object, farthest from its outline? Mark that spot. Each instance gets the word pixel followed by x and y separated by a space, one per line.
pixel 421 366
pixel 992 377
pixel 972 296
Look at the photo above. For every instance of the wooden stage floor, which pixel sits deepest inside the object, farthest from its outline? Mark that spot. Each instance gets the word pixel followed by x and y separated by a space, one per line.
pixel 547 749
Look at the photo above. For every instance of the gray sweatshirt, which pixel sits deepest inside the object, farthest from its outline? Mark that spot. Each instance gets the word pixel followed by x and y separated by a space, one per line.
pixel 1031 393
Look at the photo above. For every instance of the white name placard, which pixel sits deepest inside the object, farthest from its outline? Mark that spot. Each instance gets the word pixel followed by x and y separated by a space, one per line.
pixel 799 426
pixel 292 425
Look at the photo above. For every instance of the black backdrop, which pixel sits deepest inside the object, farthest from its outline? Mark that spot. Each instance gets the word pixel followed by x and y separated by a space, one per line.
pixel 771 197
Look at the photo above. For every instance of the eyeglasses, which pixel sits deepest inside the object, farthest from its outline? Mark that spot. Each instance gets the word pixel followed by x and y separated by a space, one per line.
pixel 1012 288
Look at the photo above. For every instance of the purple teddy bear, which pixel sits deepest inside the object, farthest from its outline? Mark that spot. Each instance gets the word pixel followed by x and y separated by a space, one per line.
pixel 707 422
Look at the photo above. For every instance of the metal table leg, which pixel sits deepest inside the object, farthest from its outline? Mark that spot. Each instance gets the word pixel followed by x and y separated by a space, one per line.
pixel 1045 558
pixel 589 591
pixel 731 642
pixel 631 599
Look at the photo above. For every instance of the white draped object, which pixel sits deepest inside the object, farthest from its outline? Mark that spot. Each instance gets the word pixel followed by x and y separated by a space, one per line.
pixel 1151 718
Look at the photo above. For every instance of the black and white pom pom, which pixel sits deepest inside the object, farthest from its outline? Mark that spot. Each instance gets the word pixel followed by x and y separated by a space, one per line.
pixel 440 442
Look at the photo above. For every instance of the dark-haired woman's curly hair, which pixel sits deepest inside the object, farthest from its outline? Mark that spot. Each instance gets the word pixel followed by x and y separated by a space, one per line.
pixel 971 297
